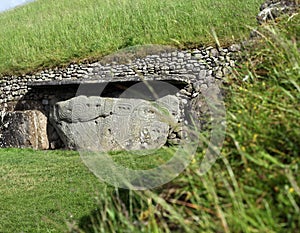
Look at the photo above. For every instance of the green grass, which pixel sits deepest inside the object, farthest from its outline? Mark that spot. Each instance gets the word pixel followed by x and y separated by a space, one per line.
pixel 42 191
pixel 146 159
pixel 254 186
pixel 55 32
pixel 45 191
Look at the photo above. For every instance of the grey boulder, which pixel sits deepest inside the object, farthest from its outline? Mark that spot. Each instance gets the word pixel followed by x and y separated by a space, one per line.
pixel 27 129
pixel 104 124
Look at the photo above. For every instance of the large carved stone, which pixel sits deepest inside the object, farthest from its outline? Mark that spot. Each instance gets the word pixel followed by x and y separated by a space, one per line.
pixel 24 129
pixel 104 124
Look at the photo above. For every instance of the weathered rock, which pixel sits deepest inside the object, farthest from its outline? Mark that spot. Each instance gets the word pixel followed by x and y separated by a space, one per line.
pixel 104 124
pixel 271 9
pixel 23 130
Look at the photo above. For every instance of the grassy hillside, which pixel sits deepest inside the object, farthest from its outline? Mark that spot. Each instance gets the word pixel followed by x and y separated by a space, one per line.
pixel 253 187
pixel 54 32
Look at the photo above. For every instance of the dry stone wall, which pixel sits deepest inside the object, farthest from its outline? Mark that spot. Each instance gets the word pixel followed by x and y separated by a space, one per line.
pixel 208 61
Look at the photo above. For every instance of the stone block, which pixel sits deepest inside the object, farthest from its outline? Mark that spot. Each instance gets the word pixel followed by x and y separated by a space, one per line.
pixel 23 129
pixel 104 124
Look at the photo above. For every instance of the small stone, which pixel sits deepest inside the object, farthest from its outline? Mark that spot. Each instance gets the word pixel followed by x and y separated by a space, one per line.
pixel 219 74
pixel 214 52
pixel 181 55
pixel 235 48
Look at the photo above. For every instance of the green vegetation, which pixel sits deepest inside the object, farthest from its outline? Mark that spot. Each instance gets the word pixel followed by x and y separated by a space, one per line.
pixel 147 159
pixel 42 191
pixel 46 191
pixel 253 187
pixel 55 32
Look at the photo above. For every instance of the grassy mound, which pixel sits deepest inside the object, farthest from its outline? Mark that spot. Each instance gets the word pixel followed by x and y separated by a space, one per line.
pixel 253 187
pixel 55 32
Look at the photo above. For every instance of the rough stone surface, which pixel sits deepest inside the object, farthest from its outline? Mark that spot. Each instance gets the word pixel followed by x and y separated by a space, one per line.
pixel 104 124
pixel 181 64
pixel 272 9
pixel 24 129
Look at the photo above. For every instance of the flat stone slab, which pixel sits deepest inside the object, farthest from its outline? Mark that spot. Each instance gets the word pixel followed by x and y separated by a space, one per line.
pixel 104 124
pixel 94 80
